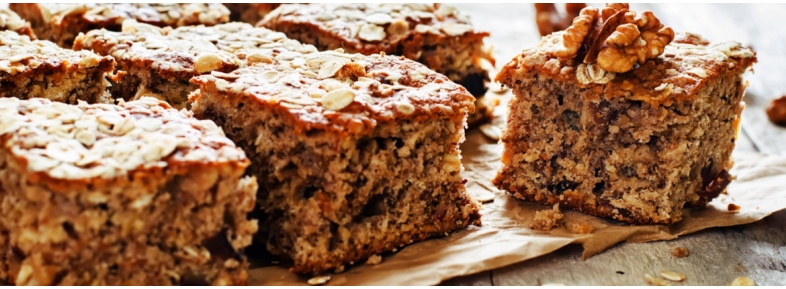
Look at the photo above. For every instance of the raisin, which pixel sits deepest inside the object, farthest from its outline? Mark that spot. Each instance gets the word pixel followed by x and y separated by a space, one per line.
pixel 603 113
pixel 717 185
pixel 562 186
pixel 219 247
pixel 572 118
pixel 599 188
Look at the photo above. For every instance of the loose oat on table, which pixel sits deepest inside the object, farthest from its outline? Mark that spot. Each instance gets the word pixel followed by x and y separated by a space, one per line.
pixel 356 155
pixel 10 21
pixel 657 281
pixel 319 280
pixel 743 281
pixel 37 68
pixel 160 61
pixel 680 252
pixel 672 276
pixel 545 220
pixel 437 35
pixel 62 22
pixel 131 194
pixel 638 146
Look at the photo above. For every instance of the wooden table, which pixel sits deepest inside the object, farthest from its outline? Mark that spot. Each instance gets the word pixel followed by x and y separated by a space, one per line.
pixel 717 256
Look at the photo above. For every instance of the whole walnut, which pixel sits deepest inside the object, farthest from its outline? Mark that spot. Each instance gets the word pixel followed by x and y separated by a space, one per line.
pixel 549 20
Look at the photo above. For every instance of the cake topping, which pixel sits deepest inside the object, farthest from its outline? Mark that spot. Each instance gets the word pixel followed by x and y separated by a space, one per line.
pixel 549 20
pixel 19 54
pixel 614 37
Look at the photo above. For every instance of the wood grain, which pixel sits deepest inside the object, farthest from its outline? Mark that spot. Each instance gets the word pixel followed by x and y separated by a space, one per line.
pixel 717 256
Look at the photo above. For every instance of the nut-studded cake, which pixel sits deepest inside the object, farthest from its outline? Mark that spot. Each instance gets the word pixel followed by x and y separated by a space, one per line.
pixel 356 155
pixel 37 68
pixel 160 61
pixel 436 35
pixel 11 21
pixel 250 13
pixel 62 22
pixel 130 194
pixel 612 118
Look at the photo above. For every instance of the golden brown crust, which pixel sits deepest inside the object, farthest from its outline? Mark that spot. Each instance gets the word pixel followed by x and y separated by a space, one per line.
pixel 687 66
pixel 345 93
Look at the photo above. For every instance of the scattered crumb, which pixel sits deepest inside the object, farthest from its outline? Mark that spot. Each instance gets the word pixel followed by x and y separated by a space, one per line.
pixel 680 252
pixel 319 280
pixel 673 276
pixel 655 280
pixel 553 284
pixel 394 250
pixel 580 228
pixel 339 269
pixel 545 220
pixel 743 281
pixel 734 208
pixel 374 260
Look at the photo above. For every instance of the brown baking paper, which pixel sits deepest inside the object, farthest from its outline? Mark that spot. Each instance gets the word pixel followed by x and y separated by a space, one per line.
pixel 504 237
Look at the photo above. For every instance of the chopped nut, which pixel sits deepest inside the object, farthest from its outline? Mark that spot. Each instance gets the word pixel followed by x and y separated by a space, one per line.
pixel 574 36
pixel 673 276
pixel 338 99
pixel 319 280
pixel 733 208
pixel 742 281
pixel 491 131
pixel 680 252
pixel 776 111
pixel 655 280
pixel 374 260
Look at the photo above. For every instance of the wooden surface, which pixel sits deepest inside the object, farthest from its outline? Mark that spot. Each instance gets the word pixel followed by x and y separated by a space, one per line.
pixel 717 256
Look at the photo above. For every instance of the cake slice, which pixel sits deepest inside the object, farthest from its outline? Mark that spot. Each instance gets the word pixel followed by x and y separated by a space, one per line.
pixel 436 35
pixel 37 68
pixel 62 22
pixel 628 124
pixel 249 12
pixel 130 194
pixel 357 155
pixel 12 22
pixel 160 61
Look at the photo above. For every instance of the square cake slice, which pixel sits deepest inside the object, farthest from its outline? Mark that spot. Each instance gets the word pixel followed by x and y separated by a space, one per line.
pixel 626 133
pixel 62 22
pixel 12 22
pixel 358 155
pixel 37 68
pixel 160 61
pixel 130 194
pixel 250 13
pixel 436 35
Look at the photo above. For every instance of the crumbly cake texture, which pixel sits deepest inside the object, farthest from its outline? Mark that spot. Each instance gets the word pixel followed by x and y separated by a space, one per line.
pixel 436 35
pixel 12 22
pixel 545 220
pixel 250 13
pixel 130 194
pixel 356 155
pixel 634 146
pixel 160 61
pixel 62 22
pixel 36 68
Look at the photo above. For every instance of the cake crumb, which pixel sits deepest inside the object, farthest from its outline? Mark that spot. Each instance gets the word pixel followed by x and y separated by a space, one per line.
pixel 546 220
pixel 680 252
pixel 733 208
pixel 655 280
pixel 743 281
pixel 580 228
pixel 339 269
pixel 374 260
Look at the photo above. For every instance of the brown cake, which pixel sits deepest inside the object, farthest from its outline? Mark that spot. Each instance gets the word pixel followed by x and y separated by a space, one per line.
pixel 249 12
pixel 438 36
pixel 356 155
pixel 36 68
pixel 62 22
pixel 12 22
pixel 611 119
pixel 160 61
pixel 129 194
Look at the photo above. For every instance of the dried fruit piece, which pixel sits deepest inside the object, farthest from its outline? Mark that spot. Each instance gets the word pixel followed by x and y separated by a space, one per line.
pixel 733 208
pixel 776 111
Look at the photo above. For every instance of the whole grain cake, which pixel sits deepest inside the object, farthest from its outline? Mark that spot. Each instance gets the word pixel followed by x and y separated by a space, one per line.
pixel 250 13
pixel 160 61
pixel 356 155
pixel 130 194
pixel 62 22
pixel 36 68
pixel 613 118
pixel 436 35
pixel 12 22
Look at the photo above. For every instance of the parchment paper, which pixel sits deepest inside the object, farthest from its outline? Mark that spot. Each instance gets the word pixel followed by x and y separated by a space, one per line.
pixel 504 237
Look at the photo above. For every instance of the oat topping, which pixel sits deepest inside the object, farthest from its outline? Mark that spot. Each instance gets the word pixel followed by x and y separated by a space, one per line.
pixel 196 49
pixel 159 14
pixel 106 141
pixel 9 20
pixel 350 92
pixel 19 54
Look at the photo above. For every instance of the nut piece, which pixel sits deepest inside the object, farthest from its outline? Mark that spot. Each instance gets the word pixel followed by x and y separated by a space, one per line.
pixel 776 111
pixel 574 36
pixel 673 276
pixel 733 208
pixel 680 252
pixel 549 20
pixel 743 281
